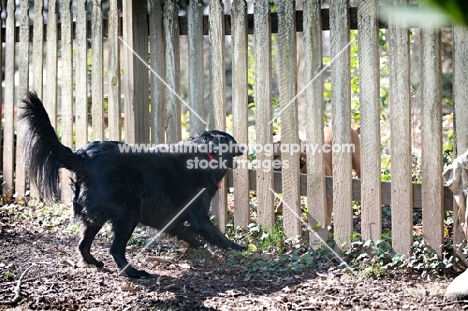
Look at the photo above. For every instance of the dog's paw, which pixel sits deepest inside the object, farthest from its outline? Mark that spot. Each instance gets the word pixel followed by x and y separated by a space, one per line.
pixel 99 264
pixel 238 247
pixel 136 274
pixel 84 263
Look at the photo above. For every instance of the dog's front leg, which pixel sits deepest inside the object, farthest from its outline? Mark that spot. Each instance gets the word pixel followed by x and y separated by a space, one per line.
pixel 183 232
pixel 215 237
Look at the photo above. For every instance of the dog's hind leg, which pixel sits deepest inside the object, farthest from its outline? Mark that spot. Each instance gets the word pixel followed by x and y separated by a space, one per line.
pixel 88 234
pixel 123 228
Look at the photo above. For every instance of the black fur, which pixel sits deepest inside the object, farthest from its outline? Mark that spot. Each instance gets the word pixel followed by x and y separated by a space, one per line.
pixel 127 188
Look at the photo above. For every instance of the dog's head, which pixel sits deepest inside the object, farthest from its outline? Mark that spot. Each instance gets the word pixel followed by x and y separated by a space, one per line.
pixel 221 144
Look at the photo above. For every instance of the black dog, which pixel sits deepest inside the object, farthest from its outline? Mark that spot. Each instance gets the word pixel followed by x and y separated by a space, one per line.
pixel 113 182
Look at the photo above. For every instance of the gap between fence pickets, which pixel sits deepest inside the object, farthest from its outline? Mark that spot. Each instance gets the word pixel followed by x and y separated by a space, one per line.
pixel 385 186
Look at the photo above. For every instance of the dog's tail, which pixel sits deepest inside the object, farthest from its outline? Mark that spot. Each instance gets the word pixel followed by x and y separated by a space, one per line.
pixel 44 153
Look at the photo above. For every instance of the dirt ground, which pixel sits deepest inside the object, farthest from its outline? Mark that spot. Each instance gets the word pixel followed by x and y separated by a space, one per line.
pixel 42 253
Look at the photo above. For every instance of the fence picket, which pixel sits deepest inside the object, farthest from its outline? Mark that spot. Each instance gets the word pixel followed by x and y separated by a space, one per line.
pixel 66 103
pixel 316 187
pixel 289 118
pixel 172 54
pixel 81 74
pixel 38 48
pixel 97 106
pixel 9 130
pixel 341 102
pixel 37 63
pixel 239 108
pixel 113 73
pixel 432 161
pixel 369 98
pixel 218 99
pixel 135 78
pixel 460 89
pixel 50 100
pixel 196 76
pixel 23 71
pixel 400 106
pixel 1 91
pixel 263 111
pixel 158 99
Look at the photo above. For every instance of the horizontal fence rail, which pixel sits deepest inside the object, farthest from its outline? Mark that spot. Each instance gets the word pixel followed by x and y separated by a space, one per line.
pixel 183 24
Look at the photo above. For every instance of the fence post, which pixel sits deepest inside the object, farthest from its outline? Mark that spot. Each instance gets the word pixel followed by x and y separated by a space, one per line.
pixel 341 102
pixel 263 111
pixel 240 108
pixel 400 124
pixel 369 98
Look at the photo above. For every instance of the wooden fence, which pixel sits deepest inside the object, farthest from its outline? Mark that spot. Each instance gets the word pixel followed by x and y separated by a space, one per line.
pixel 138 45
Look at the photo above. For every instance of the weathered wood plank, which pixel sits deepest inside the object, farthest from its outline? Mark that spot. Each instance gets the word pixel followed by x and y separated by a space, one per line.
pixel 37 64
pixel 218 95
pixel 81 74
pixel 67 92
pixel 460 89
pixel 172 62
pixel 316 187
pixel 38 48
pixel 97 93
pixel 384 185
pixel 432 161
pixel 1 88
pixel 195 54
pixel 9 130
pixel 51 63
pixel 325 23
pixel 400 124
pixel 157 62
pixel 369 98
pixel 341 102
pixel 289 119
pixel 136 78
pixel 239 109
pixel 23 71
pixel 113 74
pixel 263 112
